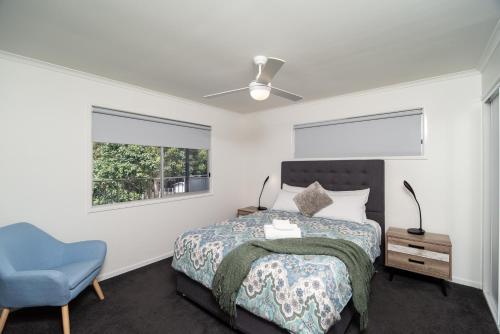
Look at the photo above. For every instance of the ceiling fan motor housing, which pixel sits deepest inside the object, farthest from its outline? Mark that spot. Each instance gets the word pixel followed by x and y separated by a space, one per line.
pixel 260 60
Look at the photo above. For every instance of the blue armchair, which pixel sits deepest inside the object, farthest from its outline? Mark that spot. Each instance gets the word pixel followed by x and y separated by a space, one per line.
pixel 38 270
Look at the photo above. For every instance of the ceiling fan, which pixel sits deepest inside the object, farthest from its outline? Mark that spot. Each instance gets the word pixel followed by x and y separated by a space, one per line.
pixel 260 88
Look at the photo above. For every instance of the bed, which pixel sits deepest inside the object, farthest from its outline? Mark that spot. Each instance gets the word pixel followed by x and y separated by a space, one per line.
pixel 300 294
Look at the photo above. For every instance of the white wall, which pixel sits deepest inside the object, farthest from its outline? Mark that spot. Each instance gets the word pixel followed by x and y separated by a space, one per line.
pixel 45 161
pixel 447 181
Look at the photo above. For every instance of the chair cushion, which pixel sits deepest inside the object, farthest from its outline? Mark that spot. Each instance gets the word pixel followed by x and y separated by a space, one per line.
pixel 78 271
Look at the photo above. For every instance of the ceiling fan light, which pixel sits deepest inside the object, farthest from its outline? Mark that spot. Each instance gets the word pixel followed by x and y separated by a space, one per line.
pixel 260 92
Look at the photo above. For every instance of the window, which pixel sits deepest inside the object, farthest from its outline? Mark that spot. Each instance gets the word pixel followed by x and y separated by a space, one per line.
pixel 139 157
pixel 381 135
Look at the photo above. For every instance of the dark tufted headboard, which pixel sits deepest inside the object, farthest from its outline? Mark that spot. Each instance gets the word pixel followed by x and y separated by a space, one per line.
pixel 343 175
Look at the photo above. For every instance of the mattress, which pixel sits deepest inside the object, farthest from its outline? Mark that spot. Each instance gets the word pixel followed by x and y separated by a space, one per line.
pixel 300 293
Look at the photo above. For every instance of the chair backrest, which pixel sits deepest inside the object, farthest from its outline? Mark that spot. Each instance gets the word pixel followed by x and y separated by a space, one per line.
pixel 26 247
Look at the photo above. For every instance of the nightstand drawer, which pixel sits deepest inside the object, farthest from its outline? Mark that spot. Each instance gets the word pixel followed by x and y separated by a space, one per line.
pixel 418 251
pixel 419 245
pixel 418 264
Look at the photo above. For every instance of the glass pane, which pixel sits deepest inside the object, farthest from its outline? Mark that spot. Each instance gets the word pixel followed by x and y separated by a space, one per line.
pixel 198 170
pixel 185 170
pixel 174 162
pixel 123 173
pixel 198 162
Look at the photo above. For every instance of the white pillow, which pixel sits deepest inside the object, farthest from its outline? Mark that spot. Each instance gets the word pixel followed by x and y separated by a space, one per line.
pixel 351 208
pixel 293 189
pixel 362 194
pixel 285 202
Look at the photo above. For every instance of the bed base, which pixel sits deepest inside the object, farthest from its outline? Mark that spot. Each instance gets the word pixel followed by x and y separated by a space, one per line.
pixel 245 321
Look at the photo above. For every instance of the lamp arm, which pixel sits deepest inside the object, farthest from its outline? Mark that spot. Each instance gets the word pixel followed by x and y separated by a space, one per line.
pixel 261 191
pixel 419 210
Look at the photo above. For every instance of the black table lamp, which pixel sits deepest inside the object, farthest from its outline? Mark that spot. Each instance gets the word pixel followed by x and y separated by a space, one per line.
pixel 262 207
pixel 419 230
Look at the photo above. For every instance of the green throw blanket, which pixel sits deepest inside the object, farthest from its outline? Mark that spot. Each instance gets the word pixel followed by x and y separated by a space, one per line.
pixel 236 265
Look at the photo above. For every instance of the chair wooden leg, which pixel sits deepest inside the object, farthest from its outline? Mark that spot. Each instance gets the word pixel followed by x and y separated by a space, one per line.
pixel 98 289
pixel 65 319
pixel 3 318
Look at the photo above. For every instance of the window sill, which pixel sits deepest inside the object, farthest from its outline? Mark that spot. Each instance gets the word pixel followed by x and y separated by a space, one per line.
pixel 132 204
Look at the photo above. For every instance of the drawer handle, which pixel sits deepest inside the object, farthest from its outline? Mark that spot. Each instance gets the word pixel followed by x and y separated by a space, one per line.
pixel 416 261
pixel 416 246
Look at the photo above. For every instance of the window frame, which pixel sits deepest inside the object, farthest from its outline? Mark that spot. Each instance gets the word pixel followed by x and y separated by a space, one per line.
pixel 91 208
pixel 424 135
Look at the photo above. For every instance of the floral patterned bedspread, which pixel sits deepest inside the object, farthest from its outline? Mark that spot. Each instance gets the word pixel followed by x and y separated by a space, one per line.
pixel 301 293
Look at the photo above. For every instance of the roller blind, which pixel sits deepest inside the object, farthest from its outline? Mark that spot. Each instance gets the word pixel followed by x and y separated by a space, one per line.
pixel 112 126
pixel 388 134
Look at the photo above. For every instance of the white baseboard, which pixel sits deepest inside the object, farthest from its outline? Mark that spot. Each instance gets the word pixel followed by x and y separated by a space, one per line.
pixel 123 270
pixel 463 281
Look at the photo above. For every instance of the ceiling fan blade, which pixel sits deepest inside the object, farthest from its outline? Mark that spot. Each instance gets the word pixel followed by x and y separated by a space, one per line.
pixel 269 70
pixel 285 94
pixel 209 96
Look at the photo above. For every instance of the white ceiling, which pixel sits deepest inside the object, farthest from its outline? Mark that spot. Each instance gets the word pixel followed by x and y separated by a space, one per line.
pixel 190 48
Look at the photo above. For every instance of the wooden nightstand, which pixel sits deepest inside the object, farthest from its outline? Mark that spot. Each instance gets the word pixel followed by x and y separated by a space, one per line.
pixel 247 211
pixel 428 254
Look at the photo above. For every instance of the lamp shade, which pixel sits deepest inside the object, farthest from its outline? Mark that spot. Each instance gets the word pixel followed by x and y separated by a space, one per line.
pixel 410 189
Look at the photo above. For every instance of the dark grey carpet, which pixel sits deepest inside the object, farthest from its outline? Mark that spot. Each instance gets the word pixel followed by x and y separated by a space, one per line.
pixel 145 301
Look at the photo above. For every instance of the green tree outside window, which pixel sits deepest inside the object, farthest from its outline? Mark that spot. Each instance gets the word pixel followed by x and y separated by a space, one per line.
pixel 124 173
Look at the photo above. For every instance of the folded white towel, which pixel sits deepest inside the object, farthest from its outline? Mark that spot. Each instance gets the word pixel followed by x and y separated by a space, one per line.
pixel 283 224
pixel 272 233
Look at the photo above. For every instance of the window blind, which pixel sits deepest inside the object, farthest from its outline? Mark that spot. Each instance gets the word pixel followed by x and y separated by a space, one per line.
pixel 388 134
pixel 112 126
